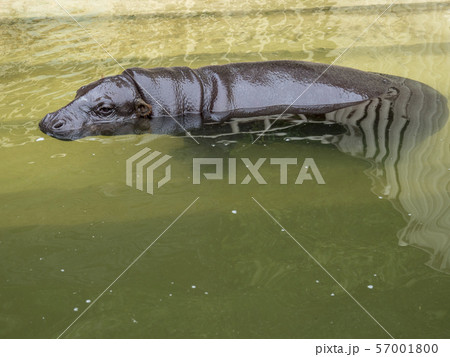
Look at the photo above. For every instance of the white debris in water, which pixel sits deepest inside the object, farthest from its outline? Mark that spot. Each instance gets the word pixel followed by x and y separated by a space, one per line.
pixel 54 156
pixel 380 197
pixel 170 294
pixel 317 281
pixel 40 139
pixel 41 258
pixel 88 301
pixel 172 282
pixel 62 270
pixel 374 274
pixel 75 309
pixel 283 230
pixel 206 293
pixel 370 286
pixel 332 294
pixel 110 291
pixel 234 211
pixel 134 321
pixel 193 286
pixel 43 317
pixel 409 214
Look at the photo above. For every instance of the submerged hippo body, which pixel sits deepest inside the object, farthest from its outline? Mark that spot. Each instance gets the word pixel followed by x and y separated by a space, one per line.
pixel 170 100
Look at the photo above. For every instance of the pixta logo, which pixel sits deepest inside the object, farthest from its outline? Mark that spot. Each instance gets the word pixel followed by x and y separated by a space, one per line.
pixel 144 164
pixel 150 161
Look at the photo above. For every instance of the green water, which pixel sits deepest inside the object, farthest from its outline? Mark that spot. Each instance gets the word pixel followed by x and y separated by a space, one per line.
pixel 69 225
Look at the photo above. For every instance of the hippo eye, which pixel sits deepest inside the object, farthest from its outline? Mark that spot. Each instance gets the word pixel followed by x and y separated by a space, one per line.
pixel 105 110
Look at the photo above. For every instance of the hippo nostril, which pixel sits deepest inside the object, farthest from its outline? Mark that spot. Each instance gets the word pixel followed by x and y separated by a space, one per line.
pixel 59 124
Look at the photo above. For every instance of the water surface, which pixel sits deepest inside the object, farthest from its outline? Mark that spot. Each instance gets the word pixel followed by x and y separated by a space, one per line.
pixel 69 225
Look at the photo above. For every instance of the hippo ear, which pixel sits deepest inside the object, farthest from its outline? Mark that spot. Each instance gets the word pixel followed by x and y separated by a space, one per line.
pixel 142 108
pixel 79 92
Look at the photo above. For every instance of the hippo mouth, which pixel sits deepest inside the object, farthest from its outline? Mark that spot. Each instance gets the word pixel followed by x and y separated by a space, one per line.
pixel 65 136
pixel 63 129
pixel 74 134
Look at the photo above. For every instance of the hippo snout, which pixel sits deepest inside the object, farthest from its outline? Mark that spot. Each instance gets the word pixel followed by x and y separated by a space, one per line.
pixel 59 127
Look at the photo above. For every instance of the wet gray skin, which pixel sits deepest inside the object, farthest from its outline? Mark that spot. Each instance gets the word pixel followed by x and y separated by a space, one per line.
pixel 170 100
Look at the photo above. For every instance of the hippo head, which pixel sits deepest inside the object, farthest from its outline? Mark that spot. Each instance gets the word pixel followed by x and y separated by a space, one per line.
pixel 109 106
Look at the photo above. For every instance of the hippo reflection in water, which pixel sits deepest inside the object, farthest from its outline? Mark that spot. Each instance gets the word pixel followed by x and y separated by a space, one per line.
pixel 409 165
pixel 170 100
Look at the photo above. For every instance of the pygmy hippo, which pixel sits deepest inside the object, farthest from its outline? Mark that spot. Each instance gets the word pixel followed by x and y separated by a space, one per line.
pixel 170 100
